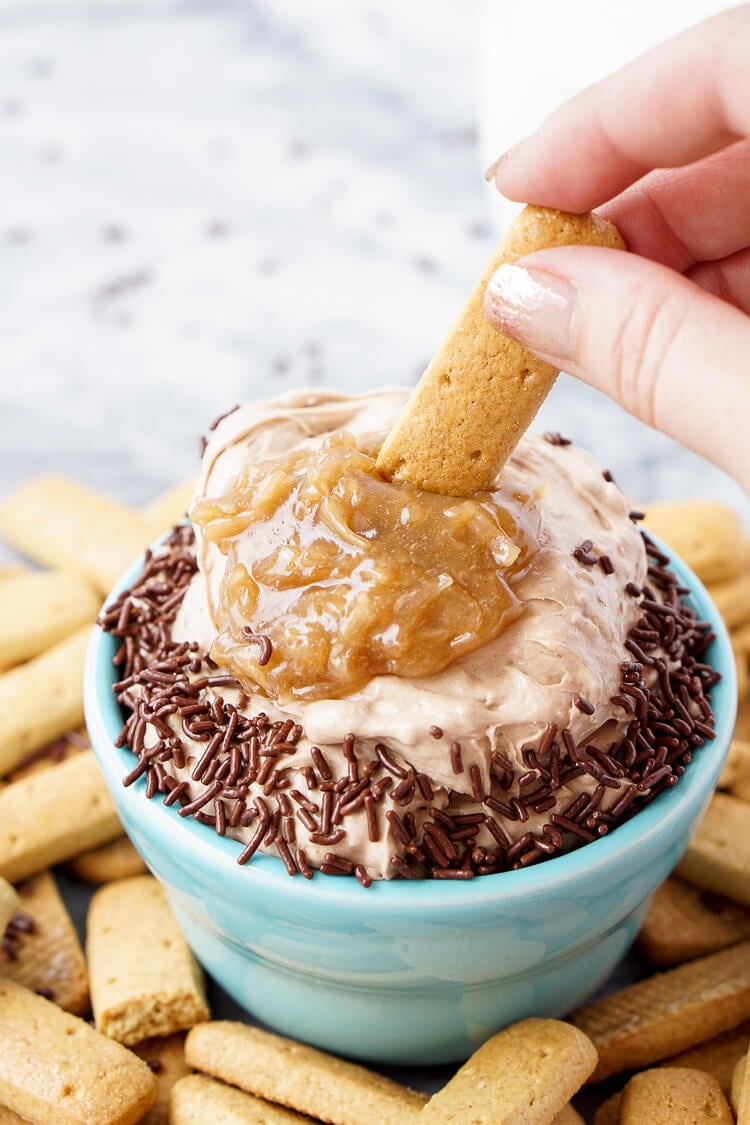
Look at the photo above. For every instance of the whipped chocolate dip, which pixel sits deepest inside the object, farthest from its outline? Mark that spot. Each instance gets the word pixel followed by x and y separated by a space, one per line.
pixel 588 702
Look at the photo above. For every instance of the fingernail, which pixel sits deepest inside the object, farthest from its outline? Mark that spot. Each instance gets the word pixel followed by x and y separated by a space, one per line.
pixel 490 173
pixel 534 307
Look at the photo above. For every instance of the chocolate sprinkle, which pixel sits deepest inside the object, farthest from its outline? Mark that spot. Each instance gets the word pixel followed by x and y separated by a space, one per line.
pixel 175 699
pixel 556 439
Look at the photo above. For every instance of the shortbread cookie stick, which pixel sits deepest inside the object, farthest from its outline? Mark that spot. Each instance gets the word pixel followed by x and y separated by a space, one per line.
pixel 738 1081
pixel 524 1075
pixel 166 1057
pixel 732 600
pixel 481 390
pixel 685 922
pixel 59 522
pixel 608 1112
pixel 8 1117
pixel 674 1096
pixel 41 608
pixel 737 765
pixel 717 1057
pixel 741 1092
pixel 706 534
pixel 118 860
pixel 718 857
pixel 56 1070
pixel 568 1116
pixel 299 1077
pixel 196 1100
pixel 8 903
pixel 49 959
pixel 170 507
pixel 53 815
pixel 42 699
pixel 668 1012
pixel 144 979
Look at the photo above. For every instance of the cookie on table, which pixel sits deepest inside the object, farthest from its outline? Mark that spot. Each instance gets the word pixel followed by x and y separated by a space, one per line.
pixel 62 523
pixel 608 1112
pixel 8 903
pixel 668 1012
pixel 524 1075
pixel 56 1070
pixel 197 1100
pixel 40 608
pixel 47 957
pixel 54 814
pixel 718 856
pixel 718 1057
pixel 706 534
pixel 299 1077
pixel 144 979
pixel 674 1096
pixel 166 1059
pixel 110 862
pixel 685 922
pixel 42 699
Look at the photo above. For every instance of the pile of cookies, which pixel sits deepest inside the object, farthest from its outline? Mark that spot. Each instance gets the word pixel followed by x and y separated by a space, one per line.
pixel 151 1052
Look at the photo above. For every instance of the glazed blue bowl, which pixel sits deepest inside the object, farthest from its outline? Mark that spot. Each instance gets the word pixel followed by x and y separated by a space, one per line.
pixel 409 972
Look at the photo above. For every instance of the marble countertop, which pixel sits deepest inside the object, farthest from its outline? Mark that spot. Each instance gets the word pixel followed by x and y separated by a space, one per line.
pixel 207 202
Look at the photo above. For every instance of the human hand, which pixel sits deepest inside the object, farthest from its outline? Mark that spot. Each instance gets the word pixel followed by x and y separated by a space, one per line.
pixel 664 330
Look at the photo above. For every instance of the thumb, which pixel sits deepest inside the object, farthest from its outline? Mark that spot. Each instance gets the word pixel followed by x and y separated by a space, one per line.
pixel 670 353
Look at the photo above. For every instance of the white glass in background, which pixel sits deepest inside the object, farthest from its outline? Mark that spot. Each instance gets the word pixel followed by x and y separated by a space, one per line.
pixel 533 54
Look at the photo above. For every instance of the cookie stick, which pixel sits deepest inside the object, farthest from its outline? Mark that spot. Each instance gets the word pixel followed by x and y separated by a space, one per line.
pixel 144 980
pixel 8 903
pixel 299 1077
pixel 481 390
pixel 48 960
pixel 56 1070
pixel 53 815
pixel 674 1096
pixel 524 1075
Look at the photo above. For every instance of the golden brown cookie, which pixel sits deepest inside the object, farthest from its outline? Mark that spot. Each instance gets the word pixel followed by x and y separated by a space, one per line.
pixel 53 815
pixel 718 857
pixel 59 522
pixel 47 957
pixel 481 390
pixel 166 1058
pixel 56 1070
pixel 118 860
pixel 685 922
pixel 706 534
pixel 42 699
pixel 737 764
pixel 524 1075
pixel 299 1077
pixel 718 1056
pixel 732 599
pixel 144 979
pixel 198 1100
pixel 8 903
pixel 674 1096
pixel 40 608
pixel 668 1012
pixel 608 1112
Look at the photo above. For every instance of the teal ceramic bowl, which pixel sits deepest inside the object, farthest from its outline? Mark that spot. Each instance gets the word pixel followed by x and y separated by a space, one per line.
pixel 409 972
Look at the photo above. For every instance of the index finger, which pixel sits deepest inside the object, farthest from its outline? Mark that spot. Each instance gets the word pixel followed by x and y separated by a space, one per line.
pixel 677 103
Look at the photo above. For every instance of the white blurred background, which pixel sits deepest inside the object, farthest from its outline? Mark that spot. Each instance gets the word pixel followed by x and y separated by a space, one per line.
pixel 205 202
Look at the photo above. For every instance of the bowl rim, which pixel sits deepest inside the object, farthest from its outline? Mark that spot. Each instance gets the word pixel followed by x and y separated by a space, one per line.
pixel 202 848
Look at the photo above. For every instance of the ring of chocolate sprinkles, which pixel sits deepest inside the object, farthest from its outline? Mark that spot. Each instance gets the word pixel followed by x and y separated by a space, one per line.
pixel 664 694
